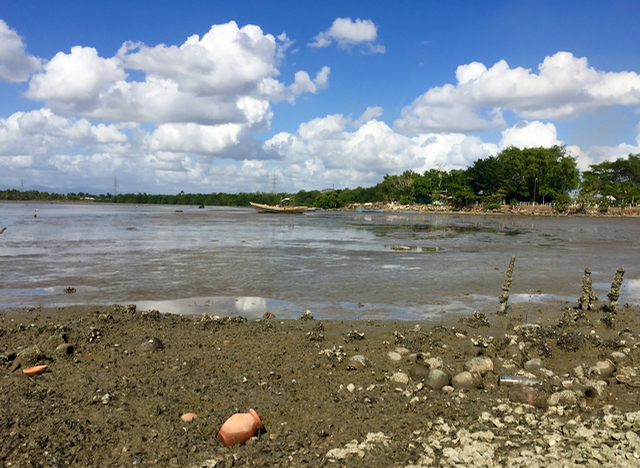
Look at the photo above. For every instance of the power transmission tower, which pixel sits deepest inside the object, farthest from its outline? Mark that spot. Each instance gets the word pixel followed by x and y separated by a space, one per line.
pixel 115 187
pixel 274 183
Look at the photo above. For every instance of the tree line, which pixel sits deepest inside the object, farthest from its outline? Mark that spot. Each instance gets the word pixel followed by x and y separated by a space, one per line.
pixel 537 175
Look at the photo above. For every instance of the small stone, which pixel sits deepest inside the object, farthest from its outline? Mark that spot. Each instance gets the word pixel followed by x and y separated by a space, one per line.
pixel 306 316
pixel 189 417
pixel 351 388
pixel 482 365
pixel 466 380
pixel 151 345
pixel 434 362
pixel 418 371
pixel 65 349
pixel 619 358
pixel 436 379
pixel 533 365
pixel 563 398
pixel 400 377
pixel 358 361
pixel 393 356
pixel 605 369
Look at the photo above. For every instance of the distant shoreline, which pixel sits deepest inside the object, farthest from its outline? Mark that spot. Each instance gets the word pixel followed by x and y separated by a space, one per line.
pixel 506 210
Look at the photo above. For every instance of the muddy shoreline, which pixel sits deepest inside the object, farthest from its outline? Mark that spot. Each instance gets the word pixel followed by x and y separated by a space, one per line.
pixel 119 379
pixel 505 210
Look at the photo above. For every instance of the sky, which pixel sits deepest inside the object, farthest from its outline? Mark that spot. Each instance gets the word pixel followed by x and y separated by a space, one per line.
pixel 244 96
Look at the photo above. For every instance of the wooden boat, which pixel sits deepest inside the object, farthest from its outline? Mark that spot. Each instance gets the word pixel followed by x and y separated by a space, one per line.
pixel 285 206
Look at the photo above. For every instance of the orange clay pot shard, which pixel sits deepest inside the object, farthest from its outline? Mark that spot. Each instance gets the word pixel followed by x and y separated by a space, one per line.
pixel 239 428
pixel 32 371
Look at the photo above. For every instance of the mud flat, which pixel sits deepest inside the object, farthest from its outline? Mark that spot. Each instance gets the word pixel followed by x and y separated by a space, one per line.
pixel 330 393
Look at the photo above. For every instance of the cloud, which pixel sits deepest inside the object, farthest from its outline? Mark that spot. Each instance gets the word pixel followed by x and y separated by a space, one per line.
pixel 369 114
pixel 564 87
pixel 325 152
pixel 526 134
pixel 304 84
pixel 42 132
pixel 15 64
pixel 349 33
pixel 204 81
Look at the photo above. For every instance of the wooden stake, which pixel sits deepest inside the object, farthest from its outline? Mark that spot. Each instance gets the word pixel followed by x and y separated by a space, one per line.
pixel 504 297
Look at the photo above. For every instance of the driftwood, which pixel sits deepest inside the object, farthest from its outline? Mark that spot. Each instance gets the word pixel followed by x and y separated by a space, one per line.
pixel 504 297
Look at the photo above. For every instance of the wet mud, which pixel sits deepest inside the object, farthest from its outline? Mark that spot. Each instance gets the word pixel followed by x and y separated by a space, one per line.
pixel 329 393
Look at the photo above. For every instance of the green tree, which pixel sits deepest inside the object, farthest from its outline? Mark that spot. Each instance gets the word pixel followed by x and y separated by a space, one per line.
pixel 329 200
pixel 619 179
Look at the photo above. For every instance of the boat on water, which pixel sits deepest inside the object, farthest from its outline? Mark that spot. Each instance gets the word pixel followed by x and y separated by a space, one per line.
pixel 369 210
pixel 285 206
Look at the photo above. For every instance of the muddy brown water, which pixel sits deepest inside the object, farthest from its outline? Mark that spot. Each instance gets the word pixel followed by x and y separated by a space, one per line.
pixel 409 266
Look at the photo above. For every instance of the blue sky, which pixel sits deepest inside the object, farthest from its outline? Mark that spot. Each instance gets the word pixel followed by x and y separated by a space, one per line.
pixel 217 96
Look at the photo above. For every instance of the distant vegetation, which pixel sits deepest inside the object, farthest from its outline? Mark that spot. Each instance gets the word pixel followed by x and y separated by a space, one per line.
pixel 541 175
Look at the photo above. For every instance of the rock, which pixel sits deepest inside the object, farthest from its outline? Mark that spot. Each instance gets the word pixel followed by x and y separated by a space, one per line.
pixel 28 357
pixel 434 362
pixel 533 365
pixel 619 358
pixel 482 365
pixel 605 369
pixel 189 417
pixel 400 377
pixel 393 356
pixel 64 349
pixel 357 362
pixel 306 316
pixel 437 379
pixel 418 371
pixel 151 345
pixel 563 398
pixel 466 380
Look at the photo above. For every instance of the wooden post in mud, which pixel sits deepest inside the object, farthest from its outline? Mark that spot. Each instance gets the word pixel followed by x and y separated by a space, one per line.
pixel 504 297
pixel 614 293
pixel 588 298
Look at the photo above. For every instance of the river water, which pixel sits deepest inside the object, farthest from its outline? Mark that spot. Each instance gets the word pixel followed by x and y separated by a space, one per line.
pixel 339 265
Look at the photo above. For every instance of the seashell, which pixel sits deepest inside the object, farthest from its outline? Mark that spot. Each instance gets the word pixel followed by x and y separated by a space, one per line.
pixel 239 428
pixel 634 383
pixel 188 417
pixel 623 379
pixel 35 370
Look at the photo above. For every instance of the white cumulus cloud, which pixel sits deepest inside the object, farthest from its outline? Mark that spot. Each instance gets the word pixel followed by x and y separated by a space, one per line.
pixel 206 80
pixel 348 33
pixel 327 153
pixel 526 134
pixel 564 87
pixel 15 64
